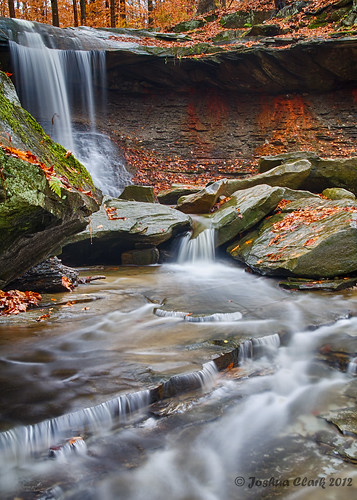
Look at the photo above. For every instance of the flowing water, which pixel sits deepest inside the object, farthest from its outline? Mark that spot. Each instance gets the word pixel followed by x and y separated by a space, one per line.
pixel 78 417
pixel 75 404
pixel 56 86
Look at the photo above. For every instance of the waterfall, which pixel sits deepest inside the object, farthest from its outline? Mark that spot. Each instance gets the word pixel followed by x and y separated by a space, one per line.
pixel 257 347
pixel 24 441
pixel 352 367
pixel 54 86
pixel 198 246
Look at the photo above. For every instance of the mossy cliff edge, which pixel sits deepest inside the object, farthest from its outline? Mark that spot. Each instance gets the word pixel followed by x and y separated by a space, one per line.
pixel 37 210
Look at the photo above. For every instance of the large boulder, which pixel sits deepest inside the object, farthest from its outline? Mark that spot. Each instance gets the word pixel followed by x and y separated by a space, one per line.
pixel 134 192
pixel 308 238
pixel 202 201
pixel 42 199
pixel 329 173
pixel 325 173
pixel 243 210
pixel 120 226
pixel 290 175
pixel 266 163
pixel 246 208
pixel 338 194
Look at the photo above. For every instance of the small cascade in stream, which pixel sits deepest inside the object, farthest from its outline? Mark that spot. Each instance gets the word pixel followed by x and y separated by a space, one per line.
pixel 25 441
pixel 352 367
pixel 199 318
pixel 198 248
pixel 54 85
pixel 257 347
pixel 202 379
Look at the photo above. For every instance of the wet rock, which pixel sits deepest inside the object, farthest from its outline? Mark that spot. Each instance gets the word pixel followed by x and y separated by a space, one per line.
pixel 245 209
pixel 203 201
pixel 330 285
pixel 329 173
pixel 140 257
pixel 138 193
pixel 345 420
pixel 309 238
pixel 291 175
pixel 120 226
pixel 171 196
pixel 338 194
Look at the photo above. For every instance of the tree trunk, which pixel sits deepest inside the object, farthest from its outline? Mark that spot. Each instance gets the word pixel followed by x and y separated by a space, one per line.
pixel 54 7
pixel 206 6
pixel 112 13
pixel 83 12
pixel 150 11
pixel 75 13
pixel 11 8
pixel 122 10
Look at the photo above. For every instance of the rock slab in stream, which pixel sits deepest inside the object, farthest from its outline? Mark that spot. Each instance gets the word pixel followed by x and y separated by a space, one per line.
pixel 309 238
pixel 291 175
pixel 120 226
pixel 203 201
pixel 325 173
pixel 243 210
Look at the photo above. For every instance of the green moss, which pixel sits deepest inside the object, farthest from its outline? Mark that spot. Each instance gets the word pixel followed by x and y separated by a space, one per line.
pixel 23 131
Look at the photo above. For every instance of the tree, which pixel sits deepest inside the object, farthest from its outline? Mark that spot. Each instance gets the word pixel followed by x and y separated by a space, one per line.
pixel 112 13
pixel 205 6
pixel 150 12
pixel 75 13
pixel 55 18
pixel 11 8
pixel 83 12
pixel 122 10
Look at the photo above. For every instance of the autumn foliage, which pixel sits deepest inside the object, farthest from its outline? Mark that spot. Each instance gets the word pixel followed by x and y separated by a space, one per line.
pixel 14 301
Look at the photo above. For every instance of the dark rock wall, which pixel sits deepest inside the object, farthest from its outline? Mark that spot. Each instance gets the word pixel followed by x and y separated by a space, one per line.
pixel 211 124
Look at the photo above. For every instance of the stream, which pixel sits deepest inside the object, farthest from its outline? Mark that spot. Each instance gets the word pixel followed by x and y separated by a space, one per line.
pixel 104 342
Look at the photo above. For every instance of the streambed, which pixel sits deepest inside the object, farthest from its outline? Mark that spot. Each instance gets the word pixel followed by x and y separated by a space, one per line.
pixel 106 340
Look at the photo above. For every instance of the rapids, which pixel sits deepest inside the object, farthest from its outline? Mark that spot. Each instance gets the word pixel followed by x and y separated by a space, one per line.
pixel 107 344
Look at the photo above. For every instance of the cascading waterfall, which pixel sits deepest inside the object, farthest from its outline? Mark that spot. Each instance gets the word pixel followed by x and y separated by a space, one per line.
pixel 198 248
pixel 54 85
pixel 21 442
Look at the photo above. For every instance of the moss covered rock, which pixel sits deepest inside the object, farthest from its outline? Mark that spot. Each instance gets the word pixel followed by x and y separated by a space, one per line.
pixel 37 211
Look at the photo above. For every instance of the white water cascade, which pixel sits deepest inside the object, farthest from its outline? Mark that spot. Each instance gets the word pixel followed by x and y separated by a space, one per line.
pixel 198 248
pixel 54 85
